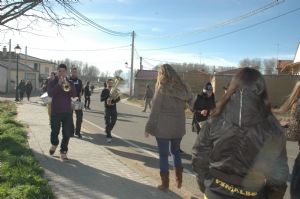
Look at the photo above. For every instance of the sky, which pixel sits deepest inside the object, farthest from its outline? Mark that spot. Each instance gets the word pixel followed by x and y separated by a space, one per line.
pixel 212 32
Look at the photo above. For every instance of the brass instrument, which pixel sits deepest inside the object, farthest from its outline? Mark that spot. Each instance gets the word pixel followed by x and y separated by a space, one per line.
pixel 65 85
pixel 114 92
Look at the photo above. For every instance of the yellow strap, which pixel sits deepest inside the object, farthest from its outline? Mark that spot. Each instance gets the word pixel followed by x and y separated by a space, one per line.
pixel 205 197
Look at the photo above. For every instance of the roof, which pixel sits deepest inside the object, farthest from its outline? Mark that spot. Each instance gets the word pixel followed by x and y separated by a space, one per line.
pixel 31 58
pixel 229 72
pixel 146 74
pixel 281 64
pixel 199 71
pixel 13 66
pixel 24 57
pixel 289 67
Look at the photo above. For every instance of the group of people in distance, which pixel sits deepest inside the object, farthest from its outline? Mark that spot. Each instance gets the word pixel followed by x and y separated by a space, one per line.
pixel 25 88
pixel 240 150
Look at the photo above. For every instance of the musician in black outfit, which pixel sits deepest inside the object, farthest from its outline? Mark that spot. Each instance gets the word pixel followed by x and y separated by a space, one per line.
pixel 79 114
pixel 110 110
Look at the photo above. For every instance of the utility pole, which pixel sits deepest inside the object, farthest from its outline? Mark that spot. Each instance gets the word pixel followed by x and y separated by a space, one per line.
pixel 9 68
pixel 141 63
pixel 131 72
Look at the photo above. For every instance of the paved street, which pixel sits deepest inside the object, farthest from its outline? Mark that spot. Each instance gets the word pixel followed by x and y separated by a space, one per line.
pixel 130 127
pixel 93 171
pixel 101 170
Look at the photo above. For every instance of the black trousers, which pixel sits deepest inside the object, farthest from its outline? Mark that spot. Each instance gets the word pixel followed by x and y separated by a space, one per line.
pixel 87 101
pixel 28 95
pixel 58 120
pixel 76 129
pixel 21 96
pixel 110 116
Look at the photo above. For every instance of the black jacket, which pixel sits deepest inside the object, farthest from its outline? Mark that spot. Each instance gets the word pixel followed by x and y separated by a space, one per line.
pixel 87 91
pixel 104 96
pixel 203 102
pixel 78 86
pixel 245 146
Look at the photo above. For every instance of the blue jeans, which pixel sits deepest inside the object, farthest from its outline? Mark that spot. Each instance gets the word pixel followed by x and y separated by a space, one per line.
pixel 163 149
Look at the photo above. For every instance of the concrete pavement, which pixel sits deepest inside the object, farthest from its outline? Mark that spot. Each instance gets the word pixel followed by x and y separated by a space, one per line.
pixel 92 171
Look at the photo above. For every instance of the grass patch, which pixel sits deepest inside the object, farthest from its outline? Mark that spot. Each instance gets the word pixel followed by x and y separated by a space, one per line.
pixel 21 177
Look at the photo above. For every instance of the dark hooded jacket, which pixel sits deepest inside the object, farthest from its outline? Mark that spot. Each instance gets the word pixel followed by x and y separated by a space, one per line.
pixel 243 146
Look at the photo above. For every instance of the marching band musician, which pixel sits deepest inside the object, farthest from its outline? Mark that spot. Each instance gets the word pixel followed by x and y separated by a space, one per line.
pixel 79 113
pixel 110 109
pixel 61 90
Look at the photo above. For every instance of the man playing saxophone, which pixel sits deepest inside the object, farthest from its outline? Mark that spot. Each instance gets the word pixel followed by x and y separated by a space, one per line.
pixel 110 114
pixel 61 90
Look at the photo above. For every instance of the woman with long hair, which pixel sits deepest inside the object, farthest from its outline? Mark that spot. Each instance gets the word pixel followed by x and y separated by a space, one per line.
pixel 293 130
pixel 167 121
pixel 293 122
pixel 241 150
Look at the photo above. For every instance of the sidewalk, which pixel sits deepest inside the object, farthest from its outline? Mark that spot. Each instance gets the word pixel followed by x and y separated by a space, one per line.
pixel 92 172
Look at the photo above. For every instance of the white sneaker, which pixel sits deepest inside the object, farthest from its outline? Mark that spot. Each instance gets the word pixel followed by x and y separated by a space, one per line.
pixel 108 140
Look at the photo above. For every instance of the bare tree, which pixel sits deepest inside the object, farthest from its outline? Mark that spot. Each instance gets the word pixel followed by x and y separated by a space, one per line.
pixel 252 63
pixel 245 63
pixel 269 66
pixel 118 73
pixel 23 14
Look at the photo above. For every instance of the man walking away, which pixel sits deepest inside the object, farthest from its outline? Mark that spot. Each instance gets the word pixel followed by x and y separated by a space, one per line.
pixel 22 89
pixel 148 97
pixel 87 96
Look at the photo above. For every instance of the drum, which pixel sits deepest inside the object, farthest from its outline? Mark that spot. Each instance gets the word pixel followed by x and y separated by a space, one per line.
pixel 77 105
pixel 45 98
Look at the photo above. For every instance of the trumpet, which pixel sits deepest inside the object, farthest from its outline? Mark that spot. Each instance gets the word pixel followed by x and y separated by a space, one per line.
pixel 114 92
pixel 65 85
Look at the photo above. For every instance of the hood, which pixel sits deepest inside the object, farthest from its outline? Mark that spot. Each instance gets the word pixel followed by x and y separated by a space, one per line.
pixel 245 108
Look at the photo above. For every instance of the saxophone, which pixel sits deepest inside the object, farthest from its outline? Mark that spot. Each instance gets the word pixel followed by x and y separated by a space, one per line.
pixel 65 85
pixel 114 91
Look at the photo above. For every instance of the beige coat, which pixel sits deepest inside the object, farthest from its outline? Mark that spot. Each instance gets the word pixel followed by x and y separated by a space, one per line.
pixel 167 117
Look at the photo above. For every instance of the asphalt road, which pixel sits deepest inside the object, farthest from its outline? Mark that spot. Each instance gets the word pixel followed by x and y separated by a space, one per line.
pixel 130 129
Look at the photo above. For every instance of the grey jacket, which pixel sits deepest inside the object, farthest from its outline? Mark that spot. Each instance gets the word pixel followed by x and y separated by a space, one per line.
pixel 167 117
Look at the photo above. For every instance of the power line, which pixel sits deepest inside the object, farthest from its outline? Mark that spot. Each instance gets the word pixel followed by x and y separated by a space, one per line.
pixel 80 50
pixel 162 61
pixel 224 23
pixel 224 34
pixel 91 22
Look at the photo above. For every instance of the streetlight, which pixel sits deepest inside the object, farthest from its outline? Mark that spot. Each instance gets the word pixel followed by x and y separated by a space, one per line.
pixel 17 51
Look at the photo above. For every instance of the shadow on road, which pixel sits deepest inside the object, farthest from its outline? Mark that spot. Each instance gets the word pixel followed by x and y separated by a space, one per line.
pixel 100 139
pixel 85 181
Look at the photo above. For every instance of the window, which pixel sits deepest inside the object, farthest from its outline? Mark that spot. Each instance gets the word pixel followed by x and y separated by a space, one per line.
pixel 36 66
pixel 47 70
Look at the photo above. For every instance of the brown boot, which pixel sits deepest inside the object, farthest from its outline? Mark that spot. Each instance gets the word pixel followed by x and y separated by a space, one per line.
pixel 178 173
pixel 164 181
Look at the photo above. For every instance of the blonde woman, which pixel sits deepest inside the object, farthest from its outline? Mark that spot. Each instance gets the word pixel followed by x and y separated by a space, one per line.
pixel 167 121
pixel 292 132
pixel 293 123
pixel 240 152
